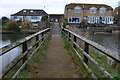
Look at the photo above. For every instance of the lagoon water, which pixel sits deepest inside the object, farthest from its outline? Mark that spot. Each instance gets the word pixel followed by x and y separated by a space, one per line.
pixel 110 41
pixel 5 40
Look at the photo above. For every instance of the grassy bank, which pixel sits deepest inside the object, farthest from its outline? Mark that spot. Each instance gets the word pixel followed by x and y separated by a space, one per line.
pixel 100 58
pixel 26 73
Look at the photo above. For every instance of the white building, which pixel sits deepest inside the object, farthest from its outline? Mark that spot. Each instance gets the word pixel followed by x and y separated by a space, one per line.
pixel 33 15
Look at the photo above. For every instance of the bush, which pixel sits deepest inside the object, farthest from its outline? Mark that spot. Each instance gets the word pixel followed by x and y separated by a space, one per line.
pixel 13 26
pixel 26 24
pixel 5 20
pixel 44 18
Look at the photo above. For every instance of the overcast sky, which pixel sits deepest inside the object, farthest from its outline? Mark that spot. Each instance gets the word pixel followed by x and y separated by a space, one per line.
pixel 8 7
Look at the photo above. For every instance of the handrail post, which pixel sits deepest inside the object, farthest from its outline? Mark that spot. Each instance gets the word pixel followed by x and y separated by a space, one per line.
pixel 69 34
pixel 37 38
pixel 75 40
pixel 42 36
pixel 65 33
pixel 24 49
pixel 86 49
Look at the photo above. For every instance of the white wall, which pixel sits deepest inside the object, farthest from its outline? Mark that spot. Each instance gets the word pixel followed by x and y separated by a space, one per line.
pixel 8 57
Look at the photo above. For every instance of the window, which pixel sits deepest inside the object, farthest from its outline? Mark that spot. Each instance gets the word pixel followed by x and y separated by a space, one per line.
pixel 31 10
pixel 77 9
pixel 24 11
pixel 73 19
pixel 110 11
pixel 15 17
pixel 102 10
pixel 34 17
pixel 93 10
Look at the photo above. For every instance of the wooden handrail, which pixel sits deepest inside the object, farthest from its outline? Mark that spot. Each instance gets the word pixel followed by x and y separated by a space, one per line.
pixel 85 52
pixel 99 47
pixel 25 49
pixel 17 43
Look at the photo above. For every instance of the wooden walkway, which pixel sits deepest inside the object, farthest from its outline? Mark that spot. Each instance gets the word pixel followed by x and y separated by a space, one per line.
pixel 56 62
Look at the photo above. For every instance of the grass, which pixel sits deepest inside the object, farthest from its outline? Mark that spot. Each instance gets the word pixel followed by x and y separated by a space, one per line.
pixel 101 59
pixel 79 66
pixel 26 73
pixel 0 26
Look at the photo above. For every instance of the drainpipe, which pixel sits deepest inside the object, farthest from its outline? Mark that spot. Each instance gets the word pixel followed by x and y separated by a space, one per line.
pixel 83 14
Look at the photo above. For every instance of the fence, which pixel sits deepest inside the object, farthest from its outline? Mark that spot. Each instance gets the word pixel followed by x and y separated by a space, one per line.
pixel 39 39
pixel 73 37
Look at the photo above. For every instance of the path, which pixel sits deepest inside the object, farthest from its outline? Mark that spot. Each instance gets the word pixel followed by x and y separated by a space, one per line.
pixel 56 63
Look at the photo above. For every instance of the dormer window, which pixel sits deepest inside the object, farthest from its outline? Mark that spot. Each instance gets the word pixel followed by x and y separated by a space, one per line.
pixel 31 10
pixel 77 9
pixel 110 11
pixel 102 10
pixel 93 10
pixel 24 10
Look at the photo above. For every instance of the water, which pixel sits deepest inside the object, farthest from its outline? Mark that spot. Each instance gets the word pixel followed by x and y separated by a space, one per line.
pixel 5 40
pixel 110 41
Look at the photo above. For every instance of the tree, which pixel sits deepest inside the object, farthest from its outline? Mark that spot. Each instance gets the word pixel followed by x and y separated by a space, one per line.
pixel 13 26
pixel 44 18
pixel 5 20
pixel 26 24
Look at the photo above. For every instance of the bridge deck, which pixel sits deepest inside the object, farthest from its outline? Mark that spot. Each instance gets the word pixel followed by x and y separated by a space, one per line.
pixel 56 62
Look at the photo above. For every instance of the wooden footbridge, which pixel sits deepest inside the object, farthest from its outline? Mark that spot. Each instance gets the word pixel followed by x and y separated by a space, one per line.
pixel 57 63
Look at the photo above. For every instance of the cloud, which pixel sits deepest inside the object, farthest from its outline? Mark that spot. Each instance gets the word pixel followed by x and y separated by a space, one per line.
pixel 8 7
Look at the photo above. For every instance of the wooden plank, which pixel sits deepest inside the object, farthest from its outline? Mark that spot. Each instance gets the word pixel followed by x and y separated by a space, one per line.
pixel 95 63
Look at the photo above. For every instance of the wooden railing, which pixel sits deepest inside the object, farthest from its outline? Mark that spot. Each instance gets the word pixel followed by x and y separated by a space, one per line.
pixel 39 39
pixel 73 37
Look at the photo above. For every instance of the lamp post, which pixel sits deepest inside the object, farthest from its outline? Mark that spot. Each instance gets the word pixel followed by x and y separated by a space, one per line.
pixel 119 13
pixel 83 14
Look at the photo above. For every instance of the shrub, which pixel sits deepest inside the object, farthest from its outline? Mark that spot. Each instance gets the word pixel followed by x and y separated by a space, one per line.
pixel 26 24
pixel 13 26
pixel 5 20
pixel 44 18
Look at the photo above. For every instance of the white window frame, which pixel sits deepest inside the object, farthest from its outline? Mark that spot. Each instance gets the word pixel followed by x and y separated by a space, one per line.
pixel 102 10
pixel 72 19
pixel 93 10
pixel 77 9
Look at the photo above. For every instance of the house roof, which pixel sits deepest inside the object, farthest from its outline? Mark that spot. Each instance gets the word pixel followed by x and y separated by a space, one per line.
pixel 30 12
pixel 55 15
pixel 88 6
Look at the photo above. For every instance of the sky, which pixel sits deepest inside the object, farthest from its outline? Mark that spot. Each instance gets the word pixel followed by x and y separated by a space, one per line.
pixel 8 7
